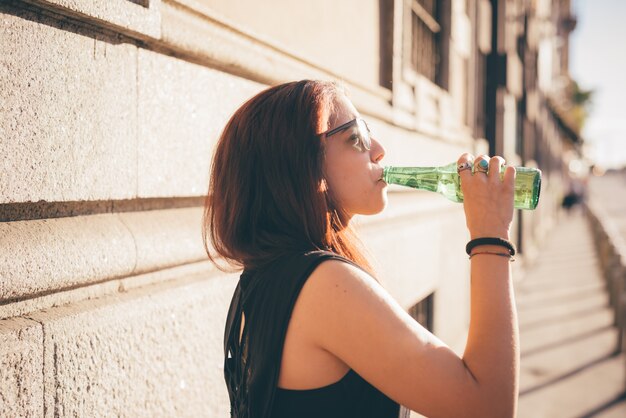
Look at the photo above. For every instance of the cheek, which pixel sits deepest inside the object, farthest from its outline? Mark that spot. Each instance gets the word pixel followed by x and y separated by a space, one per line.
pixel 338 183
pixel 348 188
pixel 347 177
pixel 333 170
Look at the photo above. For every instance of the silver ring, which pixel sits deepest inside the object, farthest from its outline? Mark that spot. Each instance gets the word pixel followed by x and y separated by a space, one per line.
pixel 463 166
pixel 480 168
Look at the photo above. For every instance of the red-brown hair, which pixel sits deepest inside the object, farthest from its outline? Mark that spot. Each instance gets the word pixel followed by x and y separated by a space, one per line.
pixel 267 194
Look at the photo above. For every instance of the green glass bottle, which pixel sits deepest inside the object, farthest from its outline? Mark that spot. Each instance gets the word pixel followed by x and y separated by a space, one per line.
pixel 446 181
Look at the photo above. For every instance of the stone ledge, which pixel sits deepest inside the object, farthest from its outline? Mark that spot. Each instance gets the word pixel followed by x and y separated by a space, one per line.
pixel 609 228
pixel 188 30
pixel 55 261
pixel 110 287
pixel 26 211
pixel 165 238
pixel 611 250
pixel 44 256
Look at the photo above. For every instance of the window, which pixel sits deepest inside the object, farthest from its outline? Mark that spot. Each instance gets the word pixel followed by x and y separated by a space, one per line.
pixel 422 312
pixel 386 8
pixel 427 38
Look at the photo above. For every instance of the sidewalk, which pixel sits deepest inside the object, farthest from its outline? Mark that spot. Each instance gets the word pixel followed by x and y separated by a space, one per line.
pixel 568 366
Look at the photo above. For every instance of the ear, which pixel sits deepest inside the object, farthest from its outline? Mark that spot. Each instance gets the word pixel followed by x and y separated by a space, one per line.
pixel 323 186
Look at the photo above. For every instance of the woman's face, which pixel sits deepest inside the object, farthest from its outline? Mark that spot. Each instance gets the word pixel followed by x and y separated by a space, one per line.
pixel 353 173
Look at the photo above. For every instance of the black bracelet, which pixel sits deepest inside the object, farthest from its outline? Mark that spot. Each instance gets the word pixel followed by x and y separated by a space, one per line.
pixel 490 241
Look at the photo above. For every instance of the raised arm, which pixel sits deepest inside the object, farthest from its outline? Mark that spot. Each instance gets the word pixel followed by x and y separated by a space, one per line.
pixel 492 350
pixel 347 313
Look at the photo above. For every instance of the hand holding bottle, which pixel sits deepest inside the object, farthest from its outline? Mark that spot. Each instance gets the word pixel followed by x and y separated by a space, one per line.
pixel 488 198
pixel 446 181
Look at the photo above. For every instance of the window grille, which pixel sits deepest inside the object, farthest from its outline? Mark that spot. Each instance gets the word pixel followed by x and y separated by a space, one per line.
pixel 425 37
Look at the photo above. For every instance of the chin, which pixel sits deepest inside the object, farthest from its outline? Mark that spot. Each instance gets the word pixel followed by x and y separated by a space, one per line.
pixel 383 205
pixel 376 207
pixel 383 200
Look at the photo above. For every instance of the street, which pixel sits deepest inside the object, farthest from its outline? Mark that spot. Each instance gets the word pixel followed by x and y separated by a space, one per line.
pixel 569 365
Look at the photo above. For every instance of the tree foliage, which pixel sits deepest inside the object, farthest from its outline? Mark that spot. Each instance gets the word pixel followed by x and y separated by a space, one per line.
pixel 581 102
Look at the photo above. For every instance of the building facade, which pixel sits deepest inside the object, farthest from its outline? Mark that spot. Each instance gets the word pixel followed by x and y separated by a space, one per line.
pixel 109 114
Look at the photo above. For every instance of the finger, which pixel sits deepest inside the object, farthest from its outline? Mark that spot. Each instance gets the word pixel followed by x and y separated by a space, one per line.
pixel 509 176
pixel 464 165
pixel 495 165
pixel 465 157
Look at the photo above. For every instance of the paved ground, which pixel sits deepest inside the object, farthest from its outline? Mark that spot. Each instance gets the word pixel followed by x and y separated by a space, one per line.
pixel 569 367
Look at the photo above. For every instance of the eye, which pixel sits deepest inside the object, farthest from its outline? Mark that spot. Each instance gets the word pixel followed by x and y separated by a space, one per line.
pixel 357 141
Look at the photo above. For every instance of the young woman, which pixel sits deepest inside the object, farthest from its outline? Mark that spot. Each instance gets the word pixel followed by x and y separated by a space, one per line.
pixel 310 332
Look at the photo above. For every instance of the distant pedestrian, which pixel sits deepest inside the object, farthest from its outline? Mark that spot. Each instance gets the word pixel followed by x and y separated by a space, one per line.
pixel 570 200
pixel 576 194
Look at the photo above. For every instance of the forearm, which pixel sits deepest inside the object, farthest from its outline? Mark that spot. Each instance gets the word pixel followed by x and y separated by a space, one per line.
pixel 492 351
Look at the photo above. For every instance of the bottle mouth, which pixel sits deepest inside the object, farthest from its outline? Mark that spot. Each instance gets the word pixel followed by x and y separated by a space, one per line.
pixel 383 174
pixel 537 184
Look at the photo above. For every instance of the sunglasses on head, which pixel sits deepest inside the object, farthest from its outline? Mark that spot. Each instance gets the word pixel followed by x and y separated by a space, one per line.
pixel 362 131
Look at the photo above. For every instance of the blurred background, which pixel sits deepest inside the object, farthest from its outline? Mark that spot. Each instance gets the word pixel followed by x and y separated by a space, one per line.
pixel 109 112
pixel 597 70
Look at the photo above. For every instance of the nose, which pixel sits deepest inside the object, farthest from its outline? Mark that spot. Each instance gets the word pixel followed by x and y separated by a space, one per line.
pixel 377 152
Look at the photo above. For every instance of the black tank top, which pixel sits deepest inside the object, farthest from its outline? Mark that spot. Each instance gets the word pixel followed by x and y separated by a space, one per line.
pixel 252 365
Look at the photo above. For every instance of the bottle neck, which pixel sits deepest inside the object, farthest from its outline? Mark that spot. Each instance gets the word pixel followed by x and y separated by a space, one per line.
pixel 422 178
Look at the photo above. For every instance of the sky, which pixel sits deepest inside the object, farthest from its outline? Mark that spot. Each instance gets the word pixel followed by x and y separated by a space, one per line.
pixel 598 61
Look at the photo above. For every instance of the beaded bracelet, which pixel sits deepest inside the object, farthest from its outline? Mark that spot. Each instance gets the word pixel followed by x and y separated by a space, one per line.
pixel 490 241
pixel 509 256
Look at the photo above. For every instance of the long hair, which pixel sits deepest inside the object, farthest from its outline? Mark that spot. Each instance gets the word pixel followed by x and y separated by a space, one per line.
pixel 267 193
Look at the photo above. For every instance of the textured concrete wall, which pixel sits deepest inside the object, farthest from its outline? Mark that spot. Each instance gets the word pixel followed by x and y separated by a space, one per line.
pixel 310 30
pixel 109 114
pixel 149 351
pixel 90 117
pixel 21 364
pixel 44 255
pixel 58 131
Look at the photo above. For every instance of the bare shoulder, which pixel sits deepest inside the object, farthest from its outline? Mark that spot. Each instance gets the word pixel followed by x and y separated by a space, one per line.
pixel 336 285
pixel 338 292
pixel 349 314
pixel 336 274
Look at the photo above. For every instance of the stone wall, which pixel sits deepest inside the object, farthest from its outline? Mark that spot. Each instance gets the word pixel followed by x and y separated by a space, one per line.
pixel 109 114
pixel 605 210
